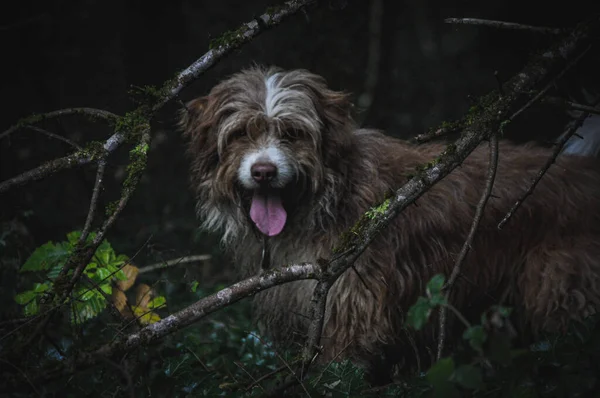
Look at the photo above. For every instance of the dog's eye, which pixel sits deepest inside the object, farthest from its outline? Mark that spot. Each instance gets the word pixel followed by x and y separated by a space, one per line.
pixel 293 133
pixel 237 134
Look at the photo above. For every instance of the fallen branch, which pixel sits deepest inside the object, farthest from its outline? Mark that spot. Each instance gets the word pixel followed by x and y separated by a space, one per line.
pixel 489 184
pixel 503 25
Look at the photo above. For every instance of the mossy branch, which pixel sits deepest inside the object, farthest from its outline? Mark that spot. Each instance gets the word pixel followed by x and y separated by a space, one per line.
pixel 226 43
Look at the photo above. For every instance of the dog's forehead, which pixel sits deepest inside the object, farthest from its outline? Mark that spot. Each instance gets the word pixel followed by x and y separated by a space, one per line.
pixel 273 95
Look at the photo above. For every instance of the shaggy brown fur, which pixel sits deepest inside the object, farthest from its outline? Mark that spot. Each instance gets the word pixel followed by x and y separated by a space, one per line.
pixel 546 261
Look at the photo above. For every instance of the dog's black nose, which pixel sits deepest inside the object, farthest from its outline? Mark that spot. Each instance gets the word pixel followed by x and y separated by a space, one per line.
pixel 263 172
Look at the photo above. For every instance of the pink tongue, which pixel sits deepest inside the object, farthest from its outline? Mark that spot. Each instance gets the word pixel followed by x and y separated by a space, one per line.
pixel 267 212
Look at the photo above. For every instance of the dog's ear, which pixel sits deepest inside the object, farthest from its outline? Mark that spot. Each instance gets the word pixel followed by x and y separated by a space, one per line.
pixel 336 111
pixel 197 121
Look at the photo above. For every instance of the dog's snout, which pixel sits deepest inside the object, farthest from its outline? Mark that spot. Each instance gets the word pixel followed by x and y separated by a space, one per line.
pixel 263 172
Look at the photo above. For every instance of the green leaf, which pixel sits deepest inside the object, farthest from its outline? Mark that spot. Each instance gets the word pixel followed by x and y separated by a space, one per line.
pixel 85 310
pixel 106 288
pixel 40 287
pixel 436 284
pixel 194 286
pixel 469 377
pixel 46 256
pixel 440 371
pixel 476 337
pixel 437 300
pixel 85 295
pixel 101 275
pixel 73 237
pixel 438 376
pixel 25 297
pixel 54 271
pixel 157 302
pixel 32 308
pixel 419 313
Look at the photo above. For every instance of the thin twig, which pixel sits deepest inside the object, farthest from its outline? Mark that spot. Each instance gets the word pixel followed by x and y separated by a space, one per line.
pixel 89 112
pixel 557 149
pixel 55 136
pixel 175 261
pixel 572 105
pixel 94 201
pixel 489 184
pixel 502 25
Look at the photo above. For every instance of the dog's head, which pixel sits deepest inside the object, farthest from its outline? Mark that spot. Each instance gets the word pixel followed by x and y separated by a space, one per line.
pixel 264 142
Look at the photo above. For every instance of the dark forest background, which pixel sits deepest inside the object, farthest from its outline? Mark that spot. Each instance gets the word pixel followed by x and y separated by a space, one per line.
pixel 407 69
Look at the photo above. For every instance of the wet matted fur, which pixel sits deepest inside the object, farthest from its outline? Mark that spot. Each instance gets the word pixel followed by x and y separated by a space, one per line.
pixel 276 155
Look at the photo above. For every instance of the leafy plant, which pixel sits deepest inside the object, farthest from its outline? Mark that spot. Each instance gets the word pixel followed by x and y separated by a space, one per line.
pixel 91 295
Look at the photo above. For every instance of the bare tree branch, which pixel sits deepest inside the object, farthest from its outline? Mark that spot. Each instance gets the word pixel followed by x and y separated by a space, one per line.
pixel 550 84
pixel 89 112
pixel 78 158
pixel 489 184
pixel 94 201
pixel 503 25
pixel 227 43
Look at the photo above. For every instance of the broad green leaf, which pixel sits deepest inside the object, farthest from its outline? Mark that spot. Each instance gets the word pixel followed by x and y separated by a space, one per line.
pixel 85 295
pixel 440 371
pixel 435 285
pixel 469 377
pixel 32 308
pixel 438 375
pixel 157 302
pixel 476 337
pixel 85 310
pixel 45 256
pixel 106 288
pixel 25 297
pixel 54 271
pixel 194 286
pixel 40 287
pixel 419 313
pixel 101 275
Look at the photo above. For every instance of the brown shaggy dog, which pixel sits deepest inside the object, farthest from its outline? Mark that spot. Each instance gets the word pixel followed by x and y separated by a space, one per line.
pixel 277 156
